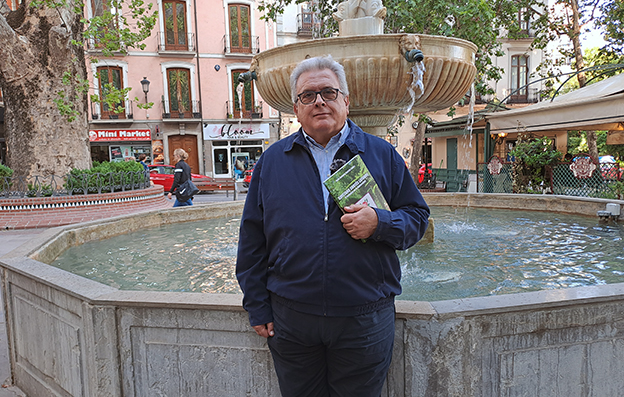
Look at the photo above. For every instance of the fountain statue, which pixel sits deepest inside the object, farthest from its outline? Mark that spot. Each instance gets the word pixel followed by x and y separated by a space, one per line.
pixel 381 69
pixel 360 17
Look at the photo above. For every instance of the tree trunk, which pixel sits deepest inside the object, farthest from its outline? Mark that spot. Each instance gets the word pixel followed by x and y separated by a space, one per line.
pixel 35 52
pixel 592 147
pixel 576 43
pixel 416 157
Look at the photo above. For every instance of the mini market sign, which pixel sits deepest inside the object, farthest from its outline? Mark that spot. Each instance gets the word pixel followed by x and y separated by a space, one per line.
pixel 119 135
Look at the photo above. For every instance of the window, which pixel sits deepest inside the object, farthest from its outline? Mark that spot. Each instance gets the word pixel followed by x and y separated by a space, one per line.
pixel 240 38
pixel 110 23
pixel 110 77
pixel 306 19
pixel 523 22
pixel 175 25
pixel 243 95
pixel 179 87
pixel 519 77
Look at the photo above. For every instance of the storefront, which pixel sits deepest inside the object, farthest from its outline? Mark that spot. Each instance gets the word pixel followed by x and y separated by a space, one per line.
pixel 120 145
pixel 235 148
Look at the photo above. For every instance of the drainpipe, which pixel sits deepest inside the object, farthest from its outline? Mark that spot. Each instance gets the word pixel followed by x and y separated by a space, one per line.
pixel 201 102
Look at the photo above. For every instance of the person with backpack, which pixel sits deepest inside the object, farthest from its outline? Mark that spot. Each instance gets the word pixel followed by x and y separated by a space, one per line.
pixel 182 173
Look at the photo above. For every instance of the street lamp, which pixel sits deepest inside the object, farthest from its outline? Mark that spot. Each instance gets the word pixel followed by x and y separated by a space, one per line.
pixel 145 84
pixel 499 138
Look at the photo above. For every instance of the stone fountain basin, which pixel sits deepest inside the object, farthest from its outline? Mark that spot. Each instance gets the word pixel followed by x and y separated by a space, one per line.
pixel 377 72
pixel 70 336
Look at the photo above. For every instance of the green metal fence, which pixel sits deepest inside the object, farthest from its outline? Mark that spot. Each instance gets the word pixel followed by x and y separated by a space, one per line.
pixel 585 177
pixel 495 183
pixel 495 176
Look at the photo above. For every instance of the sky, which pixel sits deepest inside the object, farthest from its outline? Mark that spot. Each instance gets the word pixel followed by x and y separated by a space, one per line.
pixel 592 39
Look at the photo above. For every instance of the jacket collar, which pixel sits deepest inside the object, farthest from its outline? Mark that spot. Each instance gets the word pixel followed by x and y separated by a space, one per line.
pixel 356 141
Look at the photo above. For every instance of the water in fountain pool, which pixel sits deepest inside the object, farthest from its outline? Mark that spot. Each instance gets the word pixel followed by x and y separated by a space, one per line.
pixel 476 252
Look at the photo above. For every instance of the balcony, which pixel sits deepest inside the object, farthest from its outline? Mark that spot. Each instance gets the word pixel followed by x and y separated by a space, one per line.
pixel 176 112
pixel 246 45
pixel 127 112
pixel 234 113
pixel 531 95
pixel 305 24
pixel 172 42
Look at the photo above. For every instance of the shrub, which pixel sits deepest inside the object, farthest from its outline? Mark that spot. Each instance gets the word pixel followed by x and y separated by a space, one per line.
pixel 5 171
pixel 532 155
pixel 105 177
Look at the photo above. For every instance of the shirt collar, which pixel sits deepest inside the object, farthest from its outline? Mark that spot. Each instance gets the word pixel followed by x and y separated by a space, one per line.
pixel 339 138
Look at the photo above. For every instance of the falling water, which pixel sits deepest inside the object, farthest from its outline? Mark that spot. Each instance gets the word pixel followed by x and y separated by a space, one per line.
pixel 468 136
pixel 239 90
pixel 417 71
pixel 470 121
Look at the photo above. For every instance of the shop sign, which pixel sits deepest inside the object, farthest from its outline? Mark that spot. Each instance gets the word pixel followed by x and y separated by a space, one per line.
pixel 119 135
pixel 219 132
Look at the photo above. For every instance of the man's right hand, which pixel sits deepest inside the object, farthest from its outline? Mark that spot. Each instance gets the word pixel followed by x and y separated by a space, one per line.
pixel 265 330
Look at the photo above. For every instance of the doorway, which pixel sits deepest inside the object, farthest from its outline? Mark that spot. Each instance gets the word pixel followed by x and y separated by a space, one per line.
pixel 189 144
pixel 451 153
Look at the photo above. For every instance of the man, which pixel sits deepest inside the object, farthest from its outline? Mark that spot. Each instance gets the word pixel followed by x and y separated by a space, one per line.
pixel 322 296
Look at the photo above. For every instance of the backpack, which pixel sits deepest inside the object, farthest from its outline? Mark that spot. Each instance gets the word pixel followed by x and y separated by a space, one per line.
pixel 186 191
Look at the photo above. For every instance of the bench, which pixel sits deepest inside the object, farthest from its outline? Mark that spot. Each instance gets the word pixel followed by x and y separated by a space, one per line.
pixel 210 184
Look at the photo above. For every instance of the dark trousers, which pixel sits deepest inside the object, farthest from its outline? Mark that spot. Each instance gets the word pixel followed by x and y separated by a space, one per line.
pixel 331 356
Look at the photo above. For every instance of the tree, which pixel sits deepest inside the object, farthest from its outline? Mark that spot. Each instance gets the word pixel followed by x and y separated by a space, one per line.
pixel 571 18
pixel 43 76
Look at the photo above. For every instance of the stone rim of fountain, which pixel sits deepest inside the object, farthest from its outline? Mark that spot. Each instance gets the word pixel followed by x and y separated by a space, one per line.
pixel 377 71
pixel 43 249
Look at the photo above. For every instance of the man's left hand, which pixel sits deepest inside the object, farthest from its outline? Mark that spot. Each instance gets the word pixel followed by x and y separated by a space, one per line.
pixel 360 221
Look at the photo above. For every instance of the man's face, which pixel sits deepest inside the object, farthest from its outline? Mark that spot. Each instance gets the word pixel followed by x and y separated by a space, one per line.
pixel 321 120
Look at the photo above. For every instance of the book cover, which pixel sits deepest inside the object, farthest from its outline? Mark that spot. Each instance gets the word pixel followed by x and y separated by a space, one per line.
pixel 354 184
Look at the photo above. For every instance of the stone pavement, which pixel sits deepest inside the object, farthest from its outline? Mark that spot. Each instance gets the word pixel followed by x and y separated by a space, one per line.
pixel 11 239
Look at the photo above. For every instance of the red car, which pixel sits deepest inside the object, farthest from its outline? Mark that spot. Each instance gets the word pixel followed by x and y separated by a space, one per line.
pixel 247 177
pixel 421 172
pixel 163 175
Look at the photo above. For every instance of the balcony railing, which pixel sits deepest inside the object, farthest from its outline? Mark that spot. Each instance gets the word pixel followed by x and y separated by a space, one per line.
pixel 176 111
pixel 233 112
pixel 246 45
pixel 532 96
pixel 98 114
pixel 173 41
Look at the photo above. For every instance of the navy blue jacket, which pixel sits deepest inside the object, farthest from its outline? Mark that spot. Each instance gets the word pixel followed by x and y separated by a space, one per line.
pixel 291 250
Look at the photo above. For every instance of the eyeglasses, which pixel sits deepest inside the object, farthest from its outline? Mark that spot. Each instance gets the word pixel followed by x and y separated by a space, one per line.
pixel 309 97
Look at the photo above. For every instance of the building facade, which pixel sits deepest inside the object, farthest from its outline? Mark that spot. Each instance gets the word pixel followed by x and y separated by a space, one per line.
pixel 189 70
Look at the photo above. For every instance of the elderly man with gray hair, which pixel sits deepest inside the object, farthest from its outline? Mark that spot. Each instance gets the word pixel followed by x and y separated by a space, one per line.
pixel 319 281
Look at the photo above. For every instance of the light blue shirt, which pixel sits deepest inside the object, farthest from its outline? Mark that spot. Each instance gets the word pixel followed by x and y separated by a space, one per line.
pixel 323 156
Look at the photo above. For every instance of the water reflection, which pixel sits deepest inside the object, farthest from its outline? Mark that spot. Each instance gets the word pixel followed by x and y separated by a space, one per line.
pixel 476 252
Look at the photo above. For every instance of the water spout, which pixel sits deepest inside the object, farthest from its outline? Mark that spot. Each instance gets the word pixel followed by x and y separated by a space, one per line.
pixel 247 76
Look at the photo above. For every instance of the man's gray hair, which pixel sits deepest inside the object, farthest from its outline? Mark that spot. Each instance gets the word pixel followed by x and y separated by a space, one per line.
pixel 318 63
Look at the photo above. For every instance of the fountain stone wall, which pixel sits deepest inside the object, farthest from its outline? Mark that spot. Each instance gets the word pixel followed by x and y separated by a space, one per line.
pixel 70 336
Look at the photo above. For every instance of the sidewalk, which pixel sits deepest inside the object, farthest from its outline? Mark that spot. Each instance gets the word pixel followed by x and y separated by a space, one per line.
pixel 11 239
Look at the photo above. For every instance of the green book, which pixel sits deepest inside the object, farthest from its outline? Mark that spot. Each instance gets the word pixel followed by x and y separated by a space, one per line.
pixel 354 184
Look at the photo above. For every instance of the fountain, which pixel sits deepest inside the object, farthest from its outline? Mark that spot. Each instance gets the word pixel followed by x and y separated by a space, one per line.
pixel 70 336
pixel 380 68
